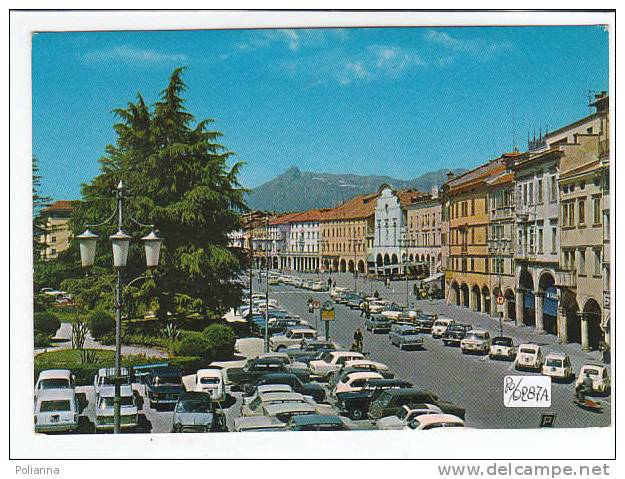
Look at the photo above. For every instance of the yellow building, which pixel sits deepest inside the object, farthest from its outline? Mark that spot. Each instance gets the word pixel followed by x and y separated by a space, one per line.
pixel 346 233
pixel 467 278
pixel 58 235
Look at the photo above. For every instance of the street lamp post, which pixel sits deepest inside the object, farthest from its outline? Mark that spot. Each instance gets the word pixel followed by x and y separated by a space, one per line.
pixel 267 285
pixel 120 243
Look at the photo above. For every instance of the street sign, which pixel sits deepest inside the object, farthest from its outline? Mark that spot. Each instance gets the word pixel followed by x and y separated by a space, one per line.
pixel 316 304
pixel 327 314
pixel 501 300
pixel 501 308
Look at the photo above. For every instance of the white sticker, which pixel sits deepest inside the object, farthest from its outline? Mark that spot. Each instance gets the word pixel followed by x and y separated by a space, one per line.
pixel 527 391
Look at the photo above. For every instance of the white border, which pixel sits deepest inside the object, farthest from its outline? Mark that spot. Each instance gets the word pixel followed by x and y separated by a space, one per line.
pixel 544 444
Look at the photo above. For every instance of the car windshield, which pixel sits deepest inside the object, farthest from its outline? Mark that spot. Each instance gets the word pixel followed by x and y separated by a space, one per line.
pixel 556 363
pixel 402 413
pixel 502 341
pixel 592 372
pixel 168 381
pixel 528 351
pixel 107 402
pixel 55 406
pixel 327 358
pixel 53 384
pixel 476 336
pixel 209 381
pixel 440 323
pixel 409 332
pixel 194 406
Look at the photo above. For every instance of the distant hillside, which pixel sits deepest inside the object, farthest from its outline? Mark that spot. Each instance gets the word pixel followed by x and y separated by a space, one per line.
pixel 296 190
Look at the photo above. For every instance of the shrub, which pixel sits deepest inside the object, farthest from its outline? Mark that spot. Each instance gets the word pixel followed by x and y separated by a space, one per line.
pixel 42 340
pixel 195 344
pixel 46 323
pixel 222 339
pixel 101 323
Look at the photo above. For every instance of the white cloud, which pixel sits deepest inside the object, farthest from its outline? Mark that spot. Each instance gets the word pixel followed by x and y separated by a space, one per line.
pixel 476 47
pixel 292 39
pixel 130 54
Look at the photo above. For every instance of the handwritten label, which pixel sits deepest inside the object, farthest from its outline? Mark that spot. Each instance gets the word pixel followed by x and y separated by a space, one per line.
pixel 527 391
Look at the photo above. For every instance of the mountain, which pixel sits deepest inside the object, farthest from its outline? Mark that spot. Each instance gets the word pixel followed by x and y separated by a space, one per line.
pixel 296 190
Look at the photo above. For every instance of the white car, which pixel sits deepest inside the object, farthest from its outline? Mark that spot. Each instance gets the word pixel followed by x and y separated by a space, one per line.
pixel 502 347
pixel 476 341
pixel 370 366
pixel 529 356
pixel 255 406
pixel 353 382
pixel 331 362
pixel 377 306
pixel 210 381
pixel 434 421
pixel 105 377
pixel 558 366
pixel 258 424
pixel 105 409
pixel 440 326
pixel 405 415
pixel 334 292
pixel 394 315
pixel 600 377
pixel 291 337
pixel 267 388
pixel 54 379
pixel 56 410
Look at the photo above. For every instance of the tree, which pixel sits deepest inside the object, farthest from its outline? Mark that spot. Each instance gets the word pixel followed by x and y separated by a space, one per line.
pixel 177 178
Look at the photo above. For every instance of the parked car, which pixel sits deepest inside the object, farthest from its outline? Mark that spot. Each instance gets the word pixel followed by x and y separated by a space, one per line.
pixel 316 422
pixel 291 337
pixel 285 411
pixel 258 424
pixel 393 311
pixel 440 326
pixel 105 409
pixel 355 381
pixel 502 347
pixel 56 410
pixel 211 381
pixel 529 356
pixel 255 407
pixel 257 368
pixel 406 336
pixel 336 291
pixel 405 415
pixel 378 324
pixel 369 365
pixel 377 306
pixel 455 333
pixel 331 362
pixel 267 388
pixel 163 386
pixel 54 379
pixel 600 376
pixel 284 357
pixel 356 404
pixel 195 412
pixel 476 341
pixel 434 421
pixel 316 391
pixel 105 376
pixel 353 301
pixel 558 367
pixel 389 402
pixel 424 325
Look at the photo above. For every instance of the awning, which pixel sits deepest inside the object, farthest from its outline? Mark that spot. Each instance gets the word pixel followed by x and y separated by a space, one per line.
pixel 433 277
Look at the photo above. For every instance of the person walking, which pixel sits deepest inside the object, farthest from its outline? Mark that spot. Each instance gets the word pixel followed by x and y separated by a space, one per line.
pixel 358 340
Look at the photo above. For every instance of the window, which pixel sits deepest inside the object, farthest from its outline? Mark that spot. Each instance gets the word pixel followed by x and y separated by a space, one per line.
pixel 597 258
pixel 596 210
pixel 540 192
pixel 473 207
pixel 582 262
pixel 472 264
pixel 582 212
pixel 540 240
pixel 553 190
pixel 53 239
pixel 530 194
pixel 554 248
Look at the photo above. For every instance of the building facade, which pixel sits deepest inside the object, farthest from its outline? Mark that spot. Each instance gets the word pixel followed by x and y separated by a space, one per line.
pixel 422 239
pixel 58 233
pixel 303 241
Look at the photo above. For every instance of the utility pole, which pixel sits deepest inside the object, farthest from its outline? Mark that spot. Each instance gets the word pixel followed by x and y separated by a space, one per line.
pixel 251 273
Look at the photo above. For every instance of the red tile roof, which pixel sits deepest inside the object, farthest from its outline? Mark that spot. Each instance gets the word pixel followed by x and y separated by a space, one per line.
pixel 62 205
pixel 361 206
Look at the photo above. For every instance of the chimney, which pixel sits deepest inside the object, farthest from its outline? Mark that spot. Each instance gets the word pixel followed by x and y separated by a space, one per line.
pixel 434 192
pixel 450 175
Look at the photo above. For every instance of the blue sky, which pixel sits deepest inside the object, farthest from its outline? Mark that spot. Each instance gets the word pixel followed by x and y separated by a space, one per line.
pixel 393 101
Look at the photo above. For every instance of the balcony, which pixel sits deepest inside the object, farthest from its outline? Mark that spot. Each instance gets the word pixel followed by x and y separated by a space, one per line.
pixel 566 278
pixel 525 254
pixel 500 246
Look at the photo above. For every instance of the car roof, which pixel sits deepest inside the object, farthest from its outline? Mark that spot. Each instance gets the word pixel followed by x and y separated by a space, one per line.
pixel 428 419
pixel 258 421
pixel 364 374
pixel 56 394
pixel 557 355
pixel 194 395
pixel 591 365
pixel 388 382
pixel 273 355
pixel 311 419
pixel 286 407
pixel 300 330
pixel 111 371
pixel 266 388
pixel 346 353
pixel 55 373
pixel 529 345
pixel 406 326
pixel 109 391
pixel 280 396
pixel 407 391
pixel 478 331
pixel 209 372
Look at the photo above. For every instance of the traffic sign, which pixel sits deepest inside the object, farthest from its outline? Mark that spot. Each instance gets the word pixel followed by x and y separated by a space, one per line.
pixel 316 304
pixel 327 315
pixel 501 300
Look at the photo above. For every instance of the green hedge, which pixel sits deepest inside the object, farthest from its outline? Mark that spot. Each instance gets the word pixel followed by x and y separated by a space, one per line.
pixel 84 373
pixel 222 340
pixel 101 323
pixel 46 323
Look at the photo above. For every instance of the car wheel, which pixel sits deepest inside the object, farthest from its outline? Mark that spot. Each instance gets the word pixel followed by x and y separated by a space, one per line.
pixel 356 414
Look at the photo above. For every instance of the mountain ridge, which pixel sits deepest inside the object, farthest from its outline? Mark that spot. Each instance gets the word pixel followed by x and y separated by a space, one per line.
pixel 296 190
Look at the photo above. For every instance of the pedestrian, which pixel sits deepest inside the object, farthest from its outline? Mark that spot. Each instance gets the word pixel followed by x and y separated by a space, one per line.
pixel 415 289
pixel 604 347
pixel 329 282
pixel 358 339
pixel 334 284
pixel 376 295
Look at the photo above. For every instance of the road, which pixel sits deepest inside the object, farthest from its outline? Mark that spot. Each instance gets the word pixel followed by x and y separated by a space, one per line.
pixel 475 382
